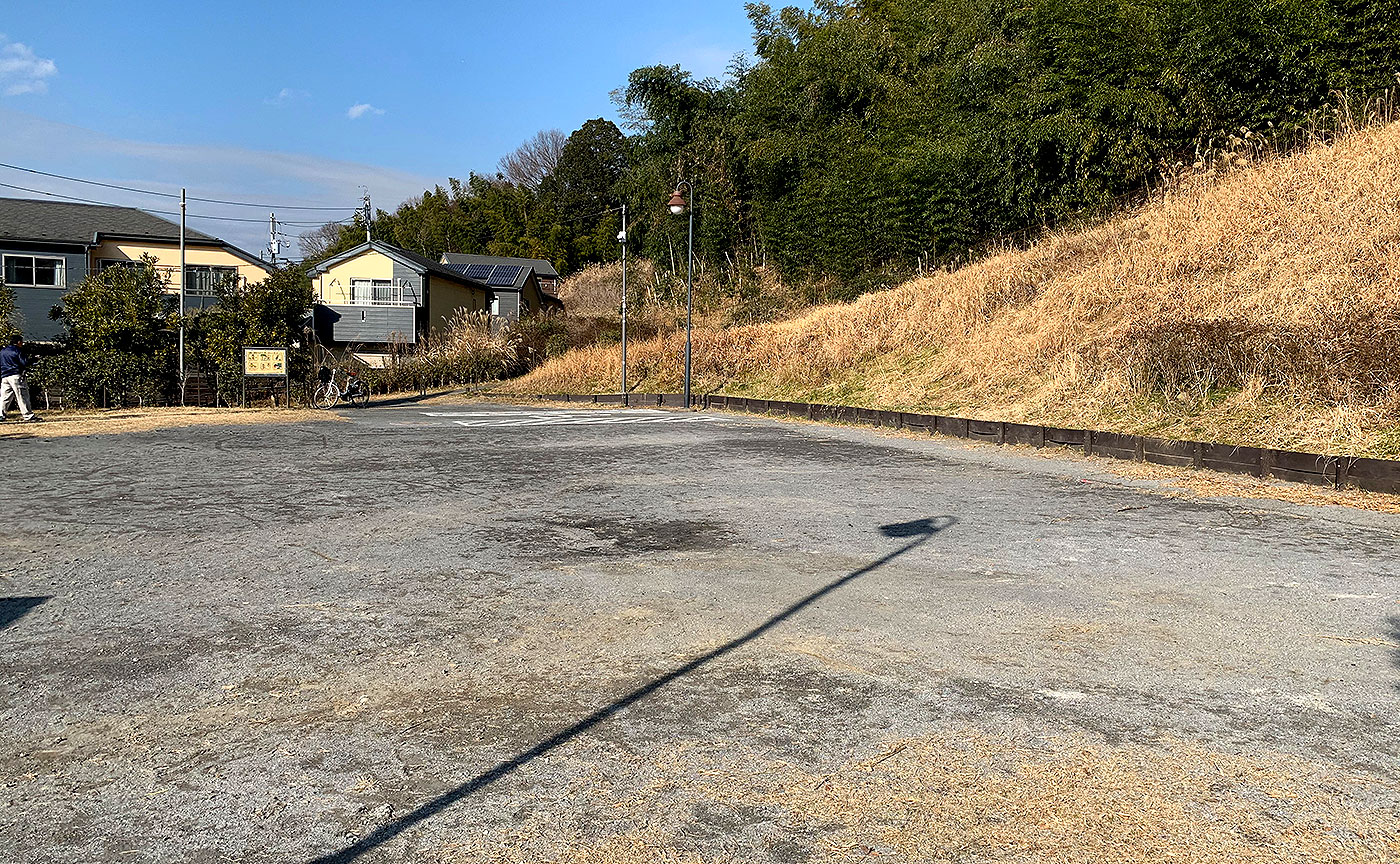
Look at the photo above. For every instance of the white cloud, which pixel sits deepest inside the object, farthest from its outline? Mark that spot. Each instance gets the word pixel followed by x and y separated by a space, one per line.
pixel 21 70
pixel 226 173
pixel 361 109
pixel 287 95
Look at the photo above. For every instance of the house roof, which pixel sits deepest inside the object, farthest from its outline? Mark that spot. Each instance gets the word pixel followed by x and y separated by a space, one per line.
pixel 460 262
pixel 73 224
pixel 411 260
pixel 82 224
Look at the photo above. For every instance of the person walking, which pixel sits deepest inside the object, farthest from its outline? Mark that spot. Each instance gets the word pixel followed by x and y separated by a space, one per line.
pixel 12 366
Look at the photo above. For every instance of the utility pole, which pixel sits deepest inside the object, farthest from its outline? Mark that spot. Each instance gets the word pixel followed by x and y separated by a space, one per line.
pixel 274 245
pixel 622 238
pixel 368 212
pixel 182 296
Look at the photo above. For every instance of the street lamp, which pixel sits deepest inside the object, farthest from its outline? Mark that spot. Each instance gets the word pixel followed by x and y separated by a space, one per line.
pixel 678 205
pixel 622 238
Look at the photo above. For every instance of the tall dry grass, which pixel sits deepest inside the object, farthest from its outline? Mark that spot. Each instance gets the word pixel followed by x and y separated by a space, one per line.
pixel 468 351
pixel 1258 305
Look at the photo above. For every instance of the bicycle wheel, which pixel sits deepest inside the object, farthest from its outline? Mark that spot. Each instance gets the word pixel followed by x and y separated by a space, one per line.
pixel 326 396
pixel 359 397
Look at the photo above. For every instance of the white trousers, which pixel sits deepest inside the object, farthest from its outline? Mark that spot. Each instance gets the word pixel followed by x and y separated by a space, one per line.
pixel 13 385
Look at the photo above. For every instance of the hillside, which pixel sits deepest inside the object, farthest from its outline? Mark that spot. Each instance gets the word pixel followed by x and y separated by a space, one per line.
pixel 1259 306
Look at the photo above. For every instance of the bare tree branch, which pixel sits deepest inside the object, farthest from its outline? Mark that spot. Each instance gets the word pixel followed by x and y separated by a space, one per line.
pixel 315 242
pixel 533 160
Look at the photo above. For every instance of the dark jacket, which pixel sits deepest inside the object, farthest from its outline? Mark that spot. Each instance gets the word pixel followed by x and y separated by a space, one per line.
pixel 12 361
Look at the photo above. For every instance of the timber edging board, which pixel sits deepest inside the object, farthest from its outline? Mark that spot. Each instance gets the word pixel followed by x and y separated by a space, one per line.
pixel 1337 472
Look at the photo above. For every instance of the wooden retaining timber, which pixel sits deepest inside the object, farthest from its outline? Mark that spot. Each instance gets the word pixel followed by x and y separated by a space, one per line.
pixel 1337 472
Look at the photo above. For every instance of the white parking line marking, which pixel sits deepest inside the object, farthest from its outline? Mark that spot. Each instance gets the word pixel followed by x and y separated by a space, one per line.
pixel 516 419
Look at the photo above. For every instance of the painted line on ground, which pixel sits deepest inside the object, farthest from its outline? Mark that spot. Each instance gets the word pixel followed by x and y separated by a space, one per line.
pixel 514 419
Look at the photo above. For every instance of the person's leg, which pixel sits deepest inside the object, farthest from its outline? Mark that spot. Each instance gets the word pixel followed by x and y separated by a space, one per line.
pixel 22 399
pixel 6 385
pixel 14 385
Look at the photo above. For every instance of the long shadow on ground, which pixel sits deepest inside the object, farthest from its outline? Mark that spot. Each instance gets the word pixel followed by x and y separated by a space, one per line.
pixel 14 608
pixel 916 532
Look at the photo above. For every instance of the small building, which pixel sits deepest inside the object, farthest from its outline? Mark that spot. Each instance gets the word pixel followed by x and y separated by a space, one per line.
pixel 50 247
pixel 517 284
pixel 377 295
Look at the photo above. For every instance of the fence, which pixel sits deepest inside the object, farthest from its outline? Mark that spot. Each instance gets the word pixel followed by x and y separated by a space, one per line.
pixel 1337 472
pixel 201 391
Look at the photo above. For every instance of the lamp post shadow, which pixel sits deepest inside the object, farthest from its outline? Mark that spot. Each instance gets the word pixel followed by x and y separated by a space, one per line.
pixel 14 608
pixel 917 532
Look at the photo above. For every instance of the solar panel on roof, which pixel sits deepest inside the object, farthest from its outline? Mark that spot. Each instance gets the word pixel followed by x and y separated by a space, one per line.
pixel 479 271
pixel 505 275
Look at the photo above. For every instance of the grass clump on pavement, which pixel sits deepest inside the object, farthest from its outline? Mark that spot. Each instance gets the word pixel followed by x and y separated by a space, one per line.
pixel 976 796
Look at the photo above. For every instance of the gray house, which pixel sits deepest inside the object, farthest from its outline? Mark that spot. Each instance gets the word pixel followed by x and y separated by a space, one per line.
pixel 50 247
pixel 519 286
pixel 377 295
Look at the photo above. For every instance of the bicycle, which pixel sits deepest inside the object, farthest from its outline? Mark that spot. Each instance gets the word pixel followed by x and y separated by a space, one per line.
pixel 328 393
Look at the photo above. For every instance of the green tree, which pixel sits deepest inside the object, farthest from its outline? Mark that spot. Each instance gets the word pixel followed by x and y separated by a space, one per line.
pixel 119 339
pixel 270 312
pixel 9 314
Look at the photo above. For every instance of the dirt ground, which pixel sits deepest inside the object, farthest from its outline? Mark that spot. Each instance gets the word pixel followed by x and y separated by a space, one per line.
pixel 453 632
pixel 119 421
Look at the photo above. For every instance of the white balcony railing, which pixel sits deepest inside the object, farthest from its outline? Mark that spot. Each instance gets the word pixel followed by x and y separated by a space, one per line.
pixel 363 293
pixel 376 301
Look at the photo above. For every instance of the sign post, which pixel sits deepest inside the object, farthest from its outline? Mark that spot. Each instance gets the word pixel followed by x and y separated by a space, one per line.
pixel 261 362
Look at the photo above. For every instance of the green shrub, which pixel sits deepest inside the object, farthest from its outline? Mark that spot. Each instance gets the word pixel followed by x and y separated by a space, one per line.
pixel 119 346
pixel 270 313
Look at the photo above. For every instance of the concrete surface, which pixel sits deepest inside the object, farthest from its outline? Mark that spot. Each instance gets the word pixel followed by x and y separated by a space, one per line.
pixel 400 635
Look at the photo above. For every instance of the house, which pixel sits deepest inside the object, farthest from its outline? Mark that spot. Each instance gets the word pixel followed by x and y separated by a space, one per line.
pixel 49 247
pixel 517 284
pixel 377 295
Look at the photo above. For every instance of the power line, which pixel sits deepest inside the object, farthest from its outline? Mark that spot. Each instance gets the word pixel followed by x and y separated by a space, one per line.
pixel 168 194
pixel 590 215
pixel 167 212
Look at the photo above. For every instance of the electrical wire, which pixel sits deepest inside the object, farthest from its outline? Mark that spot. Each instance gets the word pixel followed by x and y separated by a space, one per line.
pixel 592 215
pixel 173 212
pixel 170 194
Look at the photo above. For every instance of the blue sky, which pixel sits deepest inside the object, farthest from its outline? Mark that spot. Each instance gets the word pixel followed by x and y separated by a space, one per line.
pixel 301 103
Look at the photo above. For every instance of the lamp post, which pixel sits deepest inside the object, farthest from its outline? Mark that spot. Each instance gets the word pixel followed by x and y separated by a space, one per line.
pixel 678 205
pixel 622 238
pixel 184 272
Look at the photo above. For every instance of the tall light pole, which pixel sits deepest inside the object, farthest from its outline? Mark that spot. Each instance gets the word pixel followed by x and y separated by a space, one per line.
pixel 182 296
pixel 622 238
pixel 678 205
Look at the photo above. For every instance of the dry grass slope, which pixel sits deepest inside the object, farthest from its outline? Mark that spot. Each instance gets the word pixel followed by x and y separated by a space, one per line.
pixel 1260 306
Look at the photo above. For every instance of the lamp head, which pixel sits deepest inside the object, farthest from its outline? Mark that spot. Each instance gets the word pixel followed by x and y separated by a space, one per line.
pixel 677 203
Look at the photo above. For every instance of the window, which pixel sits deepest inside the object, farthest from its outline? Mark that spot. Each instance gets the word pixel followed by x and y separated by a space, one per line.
pixel 32 271
pixel 371 291
pixel 204 281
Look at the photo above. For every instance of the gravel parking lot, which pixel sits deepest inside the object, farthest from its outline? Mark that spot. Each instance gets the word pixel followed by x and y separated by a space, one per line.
pixel 487 633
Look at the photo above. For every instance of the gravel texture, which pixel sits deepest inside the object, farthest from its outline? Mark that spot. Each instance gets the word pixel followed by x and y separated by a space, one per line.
pixel 401 638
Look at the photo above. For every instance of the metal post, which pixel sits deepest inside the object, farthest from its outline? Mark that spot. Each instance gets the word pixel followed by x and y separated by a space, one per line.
pixel 181 310
pixel 689 287
pixel 623 238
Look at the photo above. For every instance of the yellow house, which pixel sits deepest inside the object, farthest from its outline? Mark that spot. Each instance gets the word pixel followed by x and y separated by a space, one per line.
pixel 49 247
pixel 376 295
